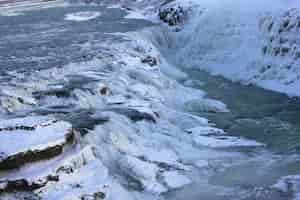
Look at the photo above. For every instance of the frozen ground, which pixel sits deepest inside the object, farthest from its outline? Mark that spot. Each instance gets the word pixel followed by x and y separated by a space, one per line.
pixel 141 126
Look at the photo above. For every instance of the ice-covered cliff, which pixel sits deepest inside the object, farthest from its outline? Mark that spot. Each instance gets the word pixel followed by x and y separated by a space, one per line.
pixel 251 42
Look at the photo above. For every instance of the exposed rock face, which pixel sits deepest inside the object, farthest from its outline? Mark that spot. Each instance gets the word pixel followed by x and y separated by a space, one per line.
pixel 150 61
pixel 172 15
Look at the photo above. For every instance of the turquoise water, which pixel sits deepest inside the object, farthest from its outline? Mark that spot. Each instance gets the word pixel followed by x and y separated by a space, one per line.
pixel 262 115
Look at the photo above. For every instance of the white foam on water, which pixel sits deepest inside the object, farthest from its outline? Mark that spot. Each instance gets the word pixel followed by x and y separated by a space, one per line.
pixel 82 16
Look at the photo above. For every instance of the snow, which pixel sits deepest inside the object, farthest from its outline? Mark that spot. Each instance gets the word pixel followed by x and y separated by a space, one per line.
pixel 289 185
pixel 142 171
pixel 81 183
pixel 202 130
pixel 161 156
pixel 206 105
pixel 38 171
pixel 224 142
pixel 217 138
pixel 82 16
pixel 202 163
pixel 46 133
pixel 8 91
pixel 175 180
pixel 135 15
pixel 28 121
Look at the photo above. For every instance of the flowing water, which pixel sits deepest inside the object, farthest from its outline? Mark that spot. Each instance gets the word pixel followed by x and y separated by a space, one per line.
pixel 265 116
pixel 42 39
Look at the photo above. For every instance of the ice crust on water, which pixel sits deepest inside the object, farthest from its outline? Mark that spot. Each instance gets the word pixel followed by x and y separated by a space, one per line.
pixel 82 16
pixel 175 180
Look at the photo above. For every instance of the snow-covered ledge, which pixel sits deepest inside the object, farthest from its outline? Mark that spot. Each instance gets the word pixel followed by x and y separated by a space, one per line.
pixel 30 139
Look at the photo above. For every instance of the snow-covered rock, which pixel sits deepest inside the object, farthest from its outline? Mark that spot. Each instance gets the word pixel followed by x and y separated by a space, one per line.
pixel 172 16
pixel 144 172
pixel 205 130
pixel 77 175
pixel 206 105
pixel 281 52
pixel 13 99
pixel 289 185
pixel 83 177
pixel 29 139
pixel 31 149
pixel 175 180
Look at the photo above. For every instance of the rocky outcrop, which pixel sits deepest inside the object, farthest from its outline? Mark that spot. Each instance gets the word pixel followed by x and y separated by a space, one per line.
pixel 176 13
pixel 30 141
pixel 76 175
pixel 82 174
pixel 150 61
pixel 290 186
pixel 172 15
